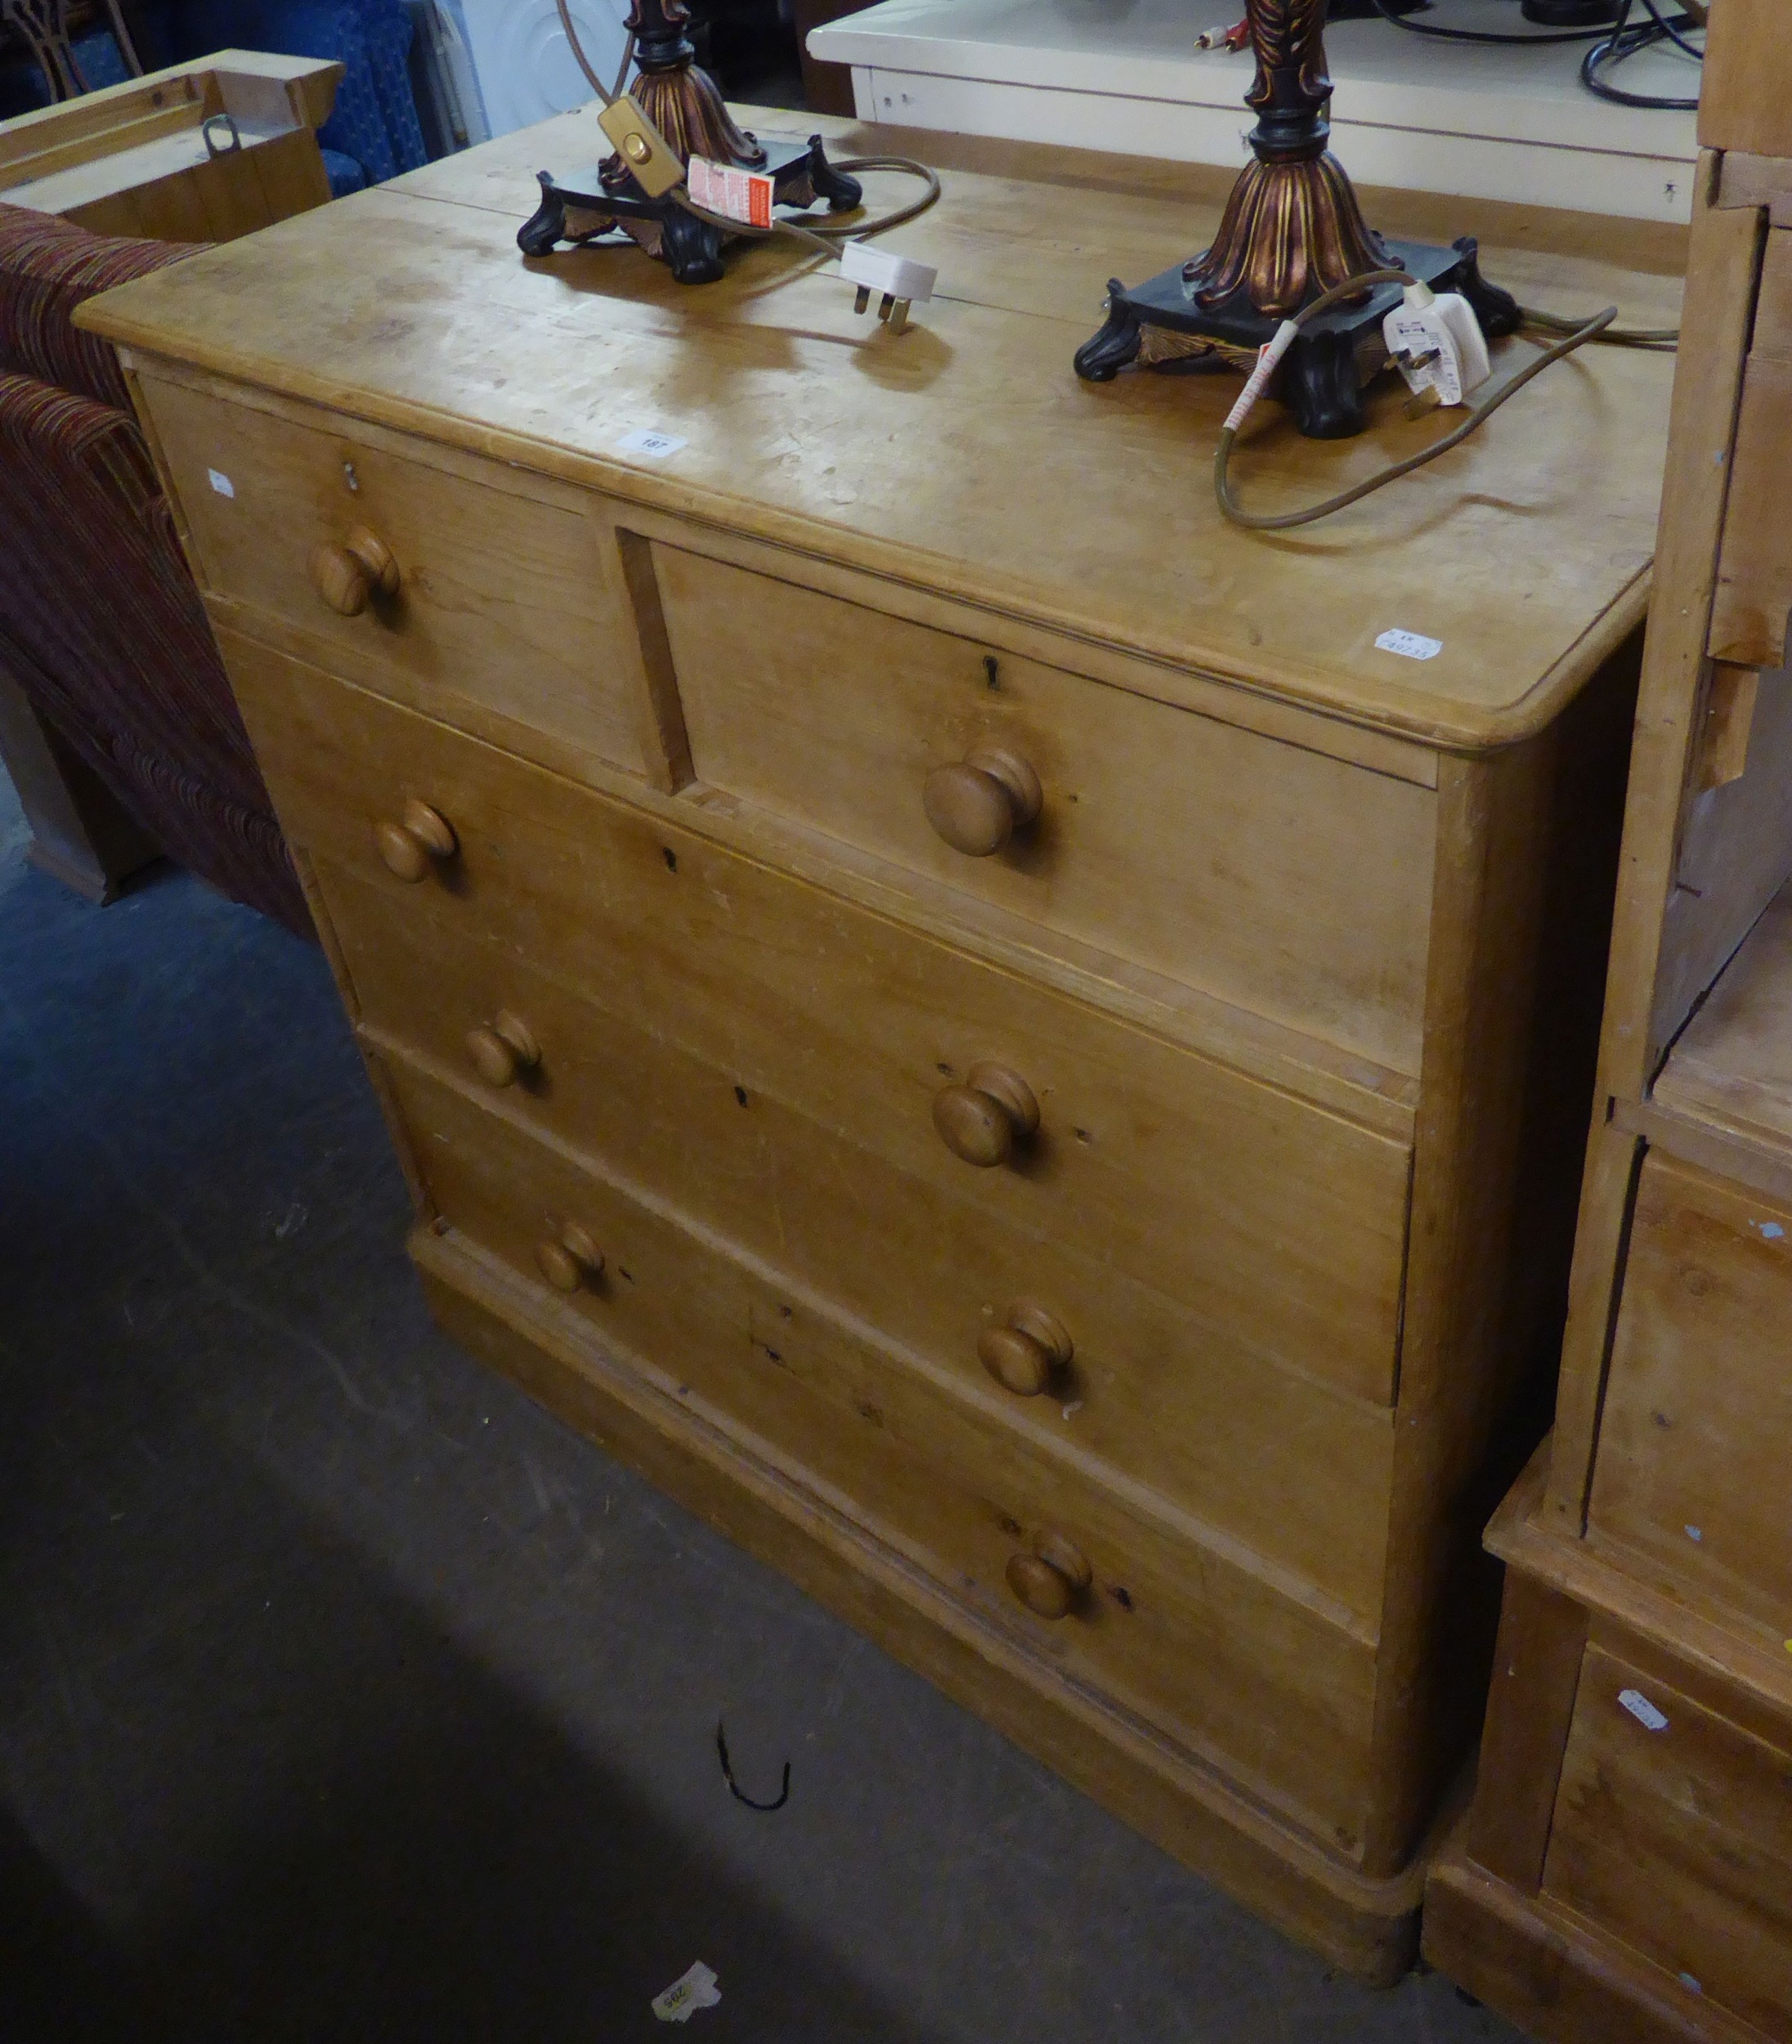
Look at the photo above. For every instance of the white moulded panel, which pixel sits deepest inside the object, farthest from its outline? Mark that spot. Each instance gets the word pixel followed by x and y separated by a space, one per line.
pixel 1507 123
pixel 527 72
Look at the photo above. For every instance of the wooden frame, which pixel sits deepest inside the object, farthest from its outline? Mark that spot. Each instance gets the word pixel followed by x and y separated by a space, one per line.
pixel 1606 1886
pixel 136 158
pixel 323 412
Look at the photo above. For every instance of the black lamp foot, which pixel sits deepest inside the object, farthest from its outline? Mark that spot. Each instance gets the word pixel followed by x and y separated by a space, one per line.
pixel 693 248
pixel 1322 386
pixel 1104 355
pixel 1497 311
pixel 841 192
pixel 547 225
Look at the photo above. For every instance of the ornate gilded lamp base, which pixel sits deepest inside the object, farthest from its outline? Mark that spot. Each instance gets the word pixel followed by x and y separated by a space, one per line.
pixel 1325 374
pixel 580 205
pixel 681 100
pixel 1292 231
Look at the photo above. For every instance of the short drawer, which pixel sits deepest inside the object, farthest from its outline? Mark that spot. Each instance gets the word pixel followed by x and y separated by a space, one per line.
pixel 1148 1394
pixel 1288 883
pixel 503 598
pixel 1176 1633
pixel 1281 1225
pixel 1695 1440
pixel 1674 1831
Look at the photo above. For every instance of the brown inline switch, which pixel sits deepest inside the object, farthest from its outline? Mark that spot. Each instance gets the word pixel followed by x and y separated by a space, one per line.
pixel 1022 1353
pixel 977 805
pixel 412 848
pixel 348 575
pixel 1050 1581
pixel 983 1119
pixel 569 1258
pixel 503 1049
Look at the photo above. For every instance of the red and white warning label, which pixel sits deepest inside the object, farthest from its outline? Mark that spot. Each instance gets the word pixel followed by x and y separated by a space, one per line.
pixel 745 195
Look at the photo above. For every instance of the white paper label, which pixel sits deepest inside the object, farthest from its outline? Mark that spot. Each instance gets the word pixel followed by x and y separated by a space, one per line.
pixel 1642 1710
pixel 648 440
pixel 1410 645
pixel 745 195
pixel 691 1991
pixel 1269 357
pixel 221 482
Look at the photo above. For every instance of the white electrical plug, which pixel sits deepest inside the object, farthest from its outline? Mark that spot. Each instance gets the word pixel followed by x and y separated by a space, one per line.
pixel 902 280
pixel 1437 343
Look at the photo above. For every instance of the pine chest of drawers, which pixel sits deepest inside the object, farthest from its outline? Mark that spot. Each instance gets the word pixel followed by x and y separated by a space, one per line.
pixel 964 1017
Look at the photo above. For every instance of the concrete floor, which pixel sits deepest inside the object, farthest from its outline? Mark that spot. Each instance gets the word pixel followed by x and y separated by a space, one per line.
pixel 345 1695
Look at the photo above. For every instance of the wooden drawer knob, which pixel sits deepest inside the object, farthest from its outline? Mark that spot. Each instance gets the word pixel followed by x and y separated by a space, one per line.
pixel 503 1049
pixel 570 1258
pixel 411 848
pixel 1023 1352
pixel 348 574
pixel 978 804
pixel 982 1120
pixel 1049 1580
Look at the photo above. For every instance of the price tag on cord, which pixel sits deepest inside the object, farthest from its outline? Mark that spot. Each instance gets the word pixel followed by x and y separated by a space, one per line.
pixel 745 195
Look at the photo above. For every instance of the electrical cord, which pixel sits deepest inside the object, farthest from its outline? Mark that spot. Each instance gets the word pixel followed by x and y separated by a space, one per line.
pixel 1624 41
pixel 609 94
pixel 1662 339
pixel 1611 45
pixel 1671 30
pixel 818 235
pixel 1498 37
pixel 1353 287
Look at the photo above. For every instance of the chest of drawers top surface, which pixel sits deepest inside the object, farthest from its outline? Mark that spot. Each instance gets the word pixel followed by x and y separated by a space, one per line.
pixel 964 456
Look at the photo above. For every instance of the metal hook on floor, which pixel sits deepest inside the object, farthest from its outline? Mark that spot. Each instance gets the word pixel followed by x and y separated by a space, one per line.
pixel 739 1794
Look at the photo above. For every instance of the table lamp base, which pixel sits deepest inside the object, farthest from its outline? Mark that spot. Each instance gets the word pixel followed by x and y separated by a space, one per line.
pixel 1160 324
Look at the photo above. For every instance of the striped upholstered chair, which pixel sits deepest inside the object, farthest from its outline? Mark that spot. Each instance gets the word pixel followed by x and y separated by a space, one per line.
pixel 100 625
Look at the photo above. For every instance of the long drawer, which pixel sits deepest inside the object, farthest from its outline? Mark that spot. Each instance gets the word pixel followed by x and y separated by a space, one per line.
pixel 1275 1221
pixel 1150 1395
pixel 1196 1646
pixel 1695 1438
pixel 502 595
pixel 1673 1831
pixel 1290 883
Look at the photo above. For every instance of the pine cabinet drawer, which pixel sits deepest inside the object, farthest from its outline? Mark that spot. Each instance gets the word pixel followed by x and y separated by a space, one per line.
pixel 1281 1225
pixel 1292 884
pixel 1148 1394
pixel 1695 1440
pixel 1194 1645
pixel 501 598
pixel 1673 1831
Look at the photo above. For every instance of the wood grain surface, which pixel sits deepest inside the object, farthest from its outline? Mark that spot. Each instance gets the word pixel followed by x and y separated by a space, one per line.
pixel 1692 1448
pixel 1675 1836
pixel 503 595
pixel 1731 1070
pixel 1525 553
pixel 1187 1418
pixel 1193 1646
pixel 1287 882
pixel 1260 1213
